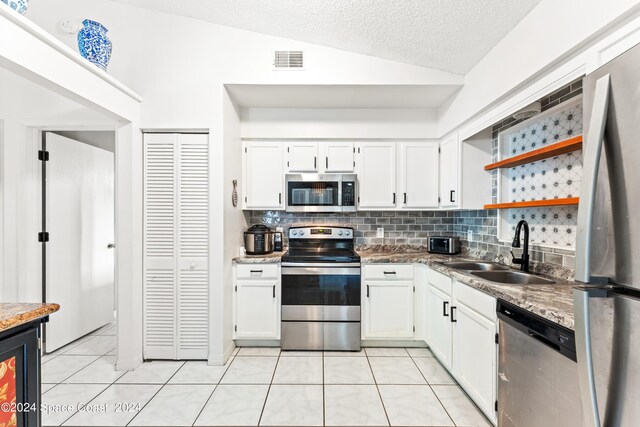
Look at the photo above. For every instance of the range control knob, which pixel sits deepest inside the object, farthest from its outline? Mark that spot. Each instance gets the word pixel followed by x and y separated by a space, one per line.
pixel 347 233
pixel 340 232
pixel 294 232
pixel 301 232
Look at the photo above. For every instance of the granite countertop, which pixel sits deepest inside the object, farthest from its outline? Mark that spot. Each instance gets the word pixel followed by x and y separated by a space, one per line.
pixel 552 302
pixel 272 258
pixel 16 314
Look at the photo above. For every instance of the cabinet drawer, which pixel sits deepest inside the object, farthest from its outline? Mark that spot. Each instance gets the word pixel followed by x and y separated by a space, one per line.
pixel 440 281
pixel 388 272
pixel 483 304
pixel 257 271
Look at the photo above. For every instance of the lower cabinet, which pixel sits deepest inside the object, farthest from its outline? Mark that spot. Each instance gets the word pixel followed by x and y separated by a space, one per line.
pixel 461 333
pixel 387 298
pixel 257 302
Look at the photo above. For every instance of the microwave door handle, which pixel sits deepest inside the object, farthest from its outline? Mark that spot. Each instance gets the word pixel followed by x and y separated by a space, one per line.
pixel 592 152
pixel 584 353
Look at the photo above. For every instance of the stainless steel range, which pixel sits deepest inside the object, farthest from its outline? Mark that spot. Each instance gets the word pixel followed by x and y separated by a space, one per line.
pixel 321 290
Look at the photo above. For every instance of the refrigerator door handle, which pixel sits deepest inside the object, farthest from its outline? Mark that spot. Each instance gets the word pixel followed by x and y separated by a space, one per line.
pixel 591 163
pixel 584 353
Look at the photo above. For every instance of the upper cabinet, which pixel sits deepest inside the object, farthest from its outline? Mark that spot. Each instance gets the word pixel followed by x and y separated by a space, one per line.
pixel 263 183
pixel 302 156
pixel 376 169
pixel 323 157
pixel 338 157
pixel 449 171
pixel 418 175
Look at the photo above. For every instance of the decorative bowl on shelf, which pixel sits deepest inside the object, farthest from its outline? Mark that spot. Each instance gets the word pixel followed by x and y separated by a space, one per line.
pixel 19 6
pixel 94 44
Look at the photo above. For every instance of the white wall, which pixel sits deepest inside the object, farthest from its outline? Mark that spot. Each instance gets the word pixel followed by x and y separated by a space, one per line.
pixel 548 35
pixel 338 123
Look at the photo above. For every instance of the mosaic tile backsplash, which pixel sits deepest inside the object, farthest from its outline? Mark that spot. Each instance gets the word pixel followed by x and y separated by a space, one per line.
pixel 553 178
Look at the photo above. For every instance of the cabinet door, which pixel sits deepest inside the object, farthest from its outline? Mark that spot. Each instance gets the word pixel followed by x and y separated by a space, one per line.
pixel 338 157
pixel 257 309
pixel 419 175
pixel 387 310
pixel 449 166
pixel 439 324
pixel 474 356
pixel 302 156
pixel 377 175
pixel 263 175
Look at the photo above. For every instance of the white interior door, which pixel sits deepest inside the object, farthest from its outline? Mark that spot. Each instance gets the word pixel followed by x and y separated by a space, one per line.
pixel 80 221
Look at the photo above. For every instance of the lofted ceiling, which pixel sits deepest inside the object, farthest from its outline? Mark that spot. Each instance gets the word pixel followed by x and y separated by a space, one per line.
pixel 448 35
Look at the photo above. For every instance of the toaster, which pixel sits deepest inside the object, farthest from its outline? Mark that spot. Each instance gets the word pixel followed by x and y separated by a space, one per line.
pixel 444 245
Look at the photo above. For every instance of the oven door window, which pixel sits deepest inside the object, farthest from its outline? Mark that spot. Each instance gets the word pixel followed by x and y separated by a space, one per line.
pixel 320 289
pixel 313 193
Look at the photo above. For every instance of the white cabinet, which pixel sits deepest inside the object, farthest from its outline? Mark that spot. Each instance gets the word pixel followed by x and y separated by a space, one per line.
pixel 302 156
pixel 376 168
pixel 439 325
pixel 263 172
pixel 176 246
pixel 387 302
pixel 449 170
pixel 257 302
pixel 338 156
pixel 461 332
pixel 418 170
pixel 474 355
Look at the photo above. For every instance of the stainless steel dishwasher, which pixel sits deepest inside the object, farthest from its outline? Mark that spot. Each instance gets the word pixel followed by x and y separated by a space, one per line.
pixel 538 383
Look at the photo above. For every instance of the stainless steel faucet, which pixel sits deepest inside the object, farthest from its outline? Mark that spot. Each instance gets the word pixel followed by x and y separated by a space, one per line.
pixel 524 260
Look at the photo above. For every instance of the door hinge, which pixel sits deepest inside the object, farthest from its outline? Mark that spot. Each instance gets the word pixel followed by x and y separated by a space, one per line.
pixel 414 289
pixel 497 338
pixel 245 199
pixel 414 328
pixel 43 155
pixel 245 149
pixel 439 150
pixel 354 150
pixel 496 406
pixel 287 163
pixel 235 328
pixel 236 288
pixel 354 164
pixel 358 150
pixel 288 150
pixel 43 236
pixel 438 199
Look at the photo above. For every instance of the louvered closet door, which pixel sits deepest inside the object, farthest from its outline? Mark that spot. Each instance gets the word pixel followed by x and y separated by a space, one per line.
pixel 176 246
pixel 160 235
pixel 193 231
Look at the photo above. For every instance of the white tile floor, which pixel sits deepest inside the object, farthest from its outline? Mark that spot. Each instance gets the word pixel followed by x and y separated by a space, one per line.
pixel 258 386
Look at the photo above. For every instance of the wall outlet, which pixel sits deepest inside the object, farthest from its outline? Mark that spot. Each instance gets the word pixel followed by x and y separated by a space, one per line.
pixel 469 236
pixel 380 232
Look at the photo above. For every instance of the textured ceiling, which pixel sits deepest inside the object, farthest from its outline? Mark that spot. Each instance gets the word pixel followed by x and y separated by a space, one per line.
pixel 449 35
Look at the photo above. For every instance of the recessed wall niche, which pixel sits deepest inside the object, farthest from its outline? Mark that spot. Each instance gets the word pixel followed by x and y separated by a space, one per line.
pixel 552 178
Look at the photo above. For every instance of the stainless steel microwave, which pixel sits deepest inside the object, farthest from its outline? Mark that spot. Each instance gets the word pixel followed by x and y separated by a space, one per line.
pixel 321 192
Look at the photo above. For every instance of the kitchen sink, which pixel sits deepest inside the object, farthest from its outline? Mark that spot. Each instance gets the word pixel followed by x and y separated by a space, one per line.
pixel 474 266
pixel 512 277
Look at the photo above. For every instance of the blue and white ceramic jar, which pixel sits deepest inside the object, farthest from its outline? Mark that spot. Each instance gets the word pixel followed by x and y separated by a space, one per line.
pixel 18 5
pixel 94 43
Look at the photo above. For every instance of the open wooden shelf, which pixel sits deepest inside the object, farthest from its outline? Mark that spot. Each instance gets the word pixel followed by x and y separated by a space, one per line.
pixel 562 147
pixel 535 203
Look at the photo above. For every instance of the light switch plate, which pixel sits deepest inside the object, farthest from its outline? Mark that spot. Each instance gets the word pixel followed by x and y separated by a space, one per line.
pixel 469 236
pixel 380 232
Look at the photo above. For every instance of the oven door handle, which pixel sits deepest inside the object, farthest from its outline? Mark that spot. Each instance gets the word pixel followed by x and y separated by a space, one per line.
pixel 321 264
pixel 320 271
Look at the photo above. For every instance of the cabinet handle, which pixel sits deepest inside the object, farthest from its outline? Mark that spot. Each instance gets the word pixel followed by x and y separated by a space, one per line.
pixel 394 198
pixel 367 291
pixel 274 291
pixel 326 161
pixel 315 162
pixel 255 271
pixel 451 193
pixel 445 312
pixel 453 319
pixel 279 198
pixel 405 198
pixel 389 272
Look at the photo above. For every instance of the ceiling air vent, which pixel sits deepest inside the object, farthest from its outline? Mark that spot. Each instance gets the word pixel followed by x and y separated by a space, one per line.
pixel 291 59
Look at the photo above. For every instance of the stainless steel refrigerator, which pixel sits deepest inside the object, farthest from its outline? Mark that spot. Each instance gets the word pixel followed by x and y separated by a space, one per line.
pixel 607 311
